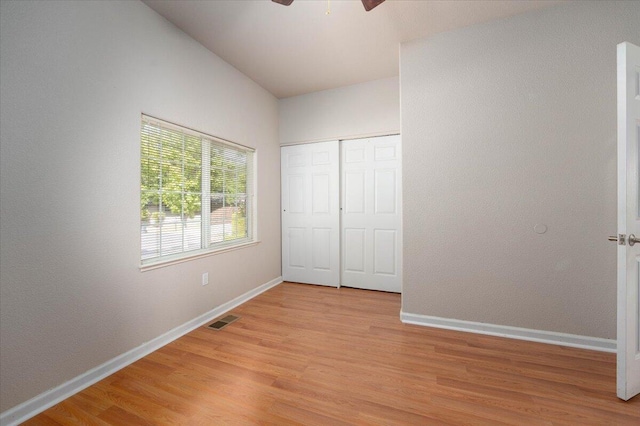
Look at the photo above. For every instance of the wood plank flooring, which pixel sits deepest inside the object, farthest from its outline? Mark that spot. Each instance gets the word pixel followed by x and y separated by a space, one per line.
pixel 312 355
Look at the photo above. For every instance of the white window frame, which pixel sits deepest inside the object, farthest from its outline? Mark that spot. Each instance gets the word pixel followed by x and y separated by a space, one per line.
pixel 251 202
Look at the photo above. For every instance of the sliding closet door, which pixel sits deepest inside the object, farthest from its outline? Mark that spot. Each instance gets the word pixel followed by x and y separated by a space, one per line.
pixel 371 216
pixel 310 213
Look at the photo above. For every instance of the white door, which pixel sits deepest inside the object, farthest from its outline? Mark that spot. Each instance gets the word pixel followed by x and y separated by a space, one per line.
pixel 628 380
pixel 310 215
pixel 371 216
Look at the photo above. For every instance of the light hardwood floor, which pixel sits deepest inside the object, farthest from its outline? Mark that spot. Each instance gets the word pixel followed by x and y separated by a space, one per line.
pixel 312 355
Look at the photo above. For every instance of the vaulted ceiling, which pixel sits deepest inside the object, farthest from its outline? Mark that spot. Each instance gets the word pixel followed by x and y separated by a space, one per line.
pixel 297 49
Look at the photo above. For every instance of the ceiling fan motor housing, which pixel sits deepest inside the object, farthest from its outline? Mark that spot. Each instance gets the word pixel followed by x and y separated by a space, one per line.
pixel 368 4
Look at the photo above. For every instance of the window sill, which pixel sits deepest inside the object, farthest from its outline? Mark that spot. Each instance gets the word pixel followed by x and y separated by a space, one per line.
pixel 187 258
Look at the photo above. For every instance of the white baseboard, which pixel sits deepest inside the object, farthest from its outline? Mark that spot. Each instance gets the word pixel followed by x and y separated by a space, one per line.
pixel 39 403
pixel 541 336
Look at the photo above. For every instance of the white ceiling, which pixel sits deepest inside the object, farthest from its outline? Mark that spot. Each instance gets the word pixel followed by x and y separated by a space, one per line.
pixel 297 49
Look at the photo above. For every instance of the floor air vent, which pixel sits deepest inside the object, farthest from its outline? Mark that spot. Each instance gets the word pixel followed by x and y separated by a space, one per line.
pixel 223 322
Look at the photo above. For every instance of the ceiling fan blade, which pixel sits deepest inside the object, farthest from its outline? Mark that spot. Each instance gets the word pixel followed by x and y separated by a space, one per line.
pixel 369 4
pixel 283 2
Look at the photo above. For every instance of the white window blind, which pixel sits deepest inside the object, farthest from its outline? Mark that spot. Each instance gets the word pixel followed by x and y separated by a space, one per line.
pixel 196 192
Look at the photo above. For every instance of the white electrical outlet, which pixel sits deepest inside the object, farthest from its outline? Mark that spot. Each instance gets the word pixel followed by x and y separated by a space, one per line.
pixel 205 278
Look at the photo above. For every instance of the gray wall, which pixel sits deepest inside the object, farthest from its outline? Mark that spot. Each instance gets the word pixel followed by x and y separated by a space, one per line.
pixel 506 125
pixel 75 77
pixel 365 109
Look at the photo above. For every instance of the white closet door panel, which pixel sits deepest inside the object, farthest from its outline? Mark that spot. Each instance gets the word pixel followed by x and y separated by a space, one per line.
pixel 371 216
pixel 297 193
pixel 354 196
pixel 353 246
pixel 384 249
pixel 321 198
pixel 385 188
pixel 310 213
pixel 321 248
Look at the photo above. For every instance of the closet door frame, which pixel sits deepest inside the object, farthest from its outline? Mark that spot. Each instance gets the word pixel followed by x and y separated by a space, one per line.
pixel 315 210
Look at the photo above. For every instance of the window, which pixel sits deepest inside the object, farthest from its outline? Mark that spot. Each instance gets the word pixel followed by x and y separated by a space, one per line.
pixel 196 192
